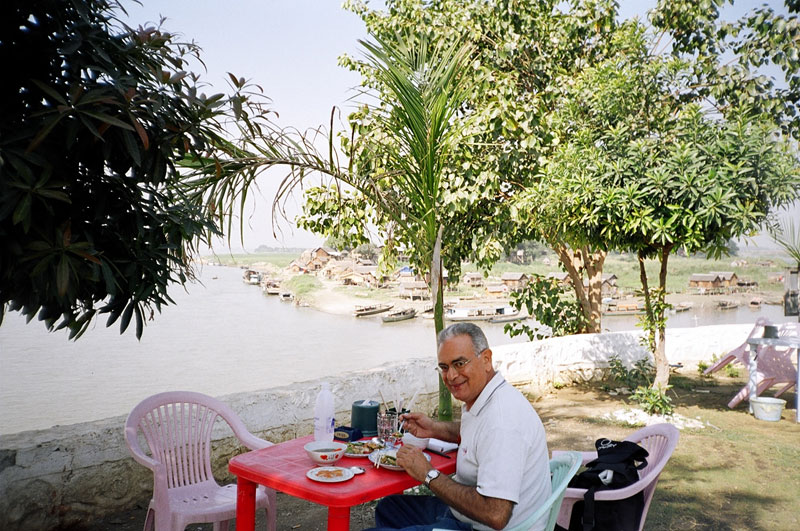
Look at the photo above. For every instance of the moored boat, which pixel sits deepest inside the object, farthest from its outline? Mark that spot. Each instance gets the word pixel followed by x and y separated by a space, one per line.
pixel 272 287
pixel 372 309
pixel 251 277
pixel 400 315
pixel 683 306
pixel 755 302
pixel 478 313
pixel 508 318
pixel 727 305
pixel 286 296
pixel 623 308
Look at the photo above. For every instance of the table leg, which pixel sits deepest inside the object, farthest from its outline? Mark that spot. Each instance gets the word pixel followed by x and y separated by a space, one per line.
pixel 751 383
pixel 245 505
pixel 338 519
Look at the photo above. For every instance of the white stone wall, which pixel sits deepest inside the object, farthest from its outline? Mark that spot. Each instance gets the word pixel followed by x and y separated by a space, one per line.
pixel 71 474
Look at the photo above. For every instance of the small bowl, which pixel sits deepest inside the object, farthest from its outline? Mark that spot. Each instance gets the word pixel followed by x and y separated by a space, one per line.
pixel 325 452
pixel 417 442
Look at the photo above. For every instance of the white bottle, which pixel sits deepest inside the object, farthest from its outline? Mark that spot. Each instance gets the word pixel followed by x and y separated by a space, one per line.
pixel 323 415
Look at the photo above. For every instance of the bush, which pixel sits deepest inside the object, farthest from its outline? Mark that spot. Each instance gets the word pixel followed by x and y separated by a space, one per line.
pixel 654 401
pixel 640 375
pixel 731 371
pixel 556 311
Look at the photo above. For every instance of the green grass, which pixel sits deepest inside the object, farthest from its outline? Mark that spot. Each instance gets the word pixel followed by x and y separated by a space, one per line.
pixel 626 268
pixel 303 285
pixel 737 473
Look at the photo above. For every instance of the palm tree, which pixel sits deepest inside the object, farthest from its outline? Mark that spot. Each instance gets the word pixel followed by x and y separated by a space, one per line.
pixel 421 91
pixel 397 166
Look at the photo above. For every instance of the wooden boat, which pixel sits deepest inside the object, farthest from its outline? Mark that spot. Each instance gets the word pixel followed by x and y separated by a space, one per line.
pixel 683 306
pixel 272 288
pixel 400 315
pixel 727 305
pixel 251 277
pixel 623 308
pixel 508 318
pixel 755 303
pixel 286 296
pixel 479 314
pixel 373 309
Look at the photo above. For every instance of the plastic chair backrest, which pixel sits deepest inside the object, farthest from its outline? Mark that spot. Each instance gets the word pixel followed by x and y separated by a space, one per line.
pixel 562 468
pixel 177 427
pixel 742 352
pixel 660 441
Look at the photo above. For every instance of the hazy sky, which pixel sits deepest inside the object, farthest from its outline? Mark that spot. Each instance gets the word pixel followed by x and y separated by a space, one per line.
pixel 290 48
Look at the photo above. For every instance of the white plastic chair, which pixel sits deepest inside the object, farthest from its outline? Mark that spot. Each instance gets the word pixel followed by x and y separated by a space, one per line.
pixel 562 468
pixel 660 441
pixel 177 427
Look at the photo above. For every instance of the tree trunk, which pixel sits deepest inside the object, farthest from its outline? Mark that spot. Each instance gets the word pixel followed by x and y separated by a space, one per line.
pixel 574 262
pixel 660 353
pixel 594 271
pixel 648 306
pixel 445 400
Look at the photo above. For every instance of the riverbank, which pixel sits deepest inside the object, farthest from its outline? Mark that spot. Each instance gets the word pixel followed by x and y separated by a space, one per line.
pixel 334 298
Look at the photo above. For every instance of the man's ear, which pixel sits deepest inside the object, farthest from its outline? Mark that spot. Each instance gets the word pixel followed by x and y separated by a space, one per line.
pixel 487 355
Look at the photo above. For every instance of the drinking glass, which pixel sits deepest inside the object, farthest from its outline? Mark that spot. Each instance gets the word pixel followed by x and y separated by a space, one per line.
pixel 387 427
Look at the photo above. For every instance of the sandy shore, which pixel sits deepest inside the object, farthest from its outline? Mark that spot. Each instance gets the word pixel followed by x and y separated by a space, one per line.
pixel 333 298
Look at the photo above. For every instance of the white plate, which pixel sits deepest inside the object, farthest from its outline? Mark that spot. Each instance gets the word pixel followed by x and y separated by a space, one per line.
pixel 374 456
pixel 357 455
pixel 318 474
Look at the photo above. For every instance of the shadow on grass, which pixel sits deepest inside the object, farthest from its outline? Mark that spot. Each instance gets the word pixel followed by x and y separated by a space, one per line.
pixel 710 499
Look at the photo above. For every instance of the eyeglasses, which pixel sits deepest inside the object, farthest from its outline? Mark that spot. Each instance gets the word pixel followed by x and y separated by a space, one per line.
pixel 458 364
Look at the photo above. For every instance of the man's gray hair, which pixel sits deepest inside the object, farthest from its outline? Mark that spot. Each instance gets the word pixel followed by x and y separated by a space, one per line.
pixel 479 341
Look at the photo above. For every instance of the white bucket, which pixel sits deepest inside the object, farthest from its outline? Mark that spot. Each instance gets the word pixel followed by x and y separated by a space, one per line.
pixel 766 408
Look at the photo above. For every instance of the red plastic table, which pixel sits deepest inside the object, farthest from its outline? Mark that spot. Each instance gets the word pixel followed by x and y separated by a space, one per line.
pixel 283 467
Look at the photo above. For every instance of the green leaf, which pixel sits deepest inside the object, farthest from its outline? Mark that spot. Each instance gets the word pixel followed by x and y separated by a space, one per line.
pixel 62 276
pixel 126 316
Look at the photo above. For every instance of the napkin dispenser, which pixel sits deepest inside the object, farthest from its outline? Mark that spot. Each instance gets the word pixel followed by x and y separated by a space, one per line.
pixel 347 434
pixel 364 417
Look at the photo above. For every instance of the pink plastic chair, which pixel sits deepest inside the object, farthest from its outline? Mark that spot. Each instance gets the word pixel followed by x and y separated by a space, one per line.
pixel 177 427
pixel 660 441
pixel 775 366
pixel 742 352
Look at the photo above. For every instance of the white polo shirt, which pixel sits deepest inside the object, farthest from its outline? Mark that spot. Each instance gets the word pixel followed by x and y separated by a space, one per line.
pixel 503 451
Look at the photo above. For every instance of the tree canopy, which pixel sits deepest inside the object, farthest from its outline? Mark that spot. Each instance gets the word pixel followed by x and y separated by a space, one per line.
pixel 93 217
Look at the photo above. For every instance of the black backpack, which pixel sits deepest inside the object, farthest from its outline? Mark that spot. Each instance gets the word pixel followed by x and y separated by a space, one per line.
pixel 621 460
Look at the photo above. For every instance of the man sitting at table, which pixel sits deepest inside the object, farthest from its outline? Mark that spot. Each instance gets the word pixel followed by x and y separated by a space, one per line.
pixel 502 472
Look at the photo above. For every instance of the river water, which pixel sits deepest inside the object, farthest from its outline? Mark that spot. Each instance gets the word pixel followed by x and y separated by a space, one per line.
pixel 222 337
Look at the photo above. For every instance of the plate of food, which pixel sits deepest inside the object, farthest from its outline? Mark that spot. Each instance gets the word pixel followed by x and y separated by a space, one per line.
pixel 329 474
pixel 362 448
pixel 388 458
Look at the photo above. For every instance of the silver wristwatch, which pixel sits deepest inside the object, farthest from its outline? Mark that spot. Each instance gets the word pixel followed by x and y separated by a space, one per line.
pixel 430 476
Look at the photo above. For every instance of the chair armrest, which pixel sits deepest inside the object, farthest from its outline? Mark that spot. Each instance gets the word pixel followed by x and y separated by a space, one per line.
pixel 585 456
pixel 612 494
pixel 252 442
pixel 132 439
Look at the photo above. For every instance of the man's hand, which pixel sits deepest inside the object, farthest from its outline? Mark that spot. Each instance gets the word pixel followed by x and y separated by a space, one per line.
pixel 422 426
pixel 419 424
pixel 413 461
